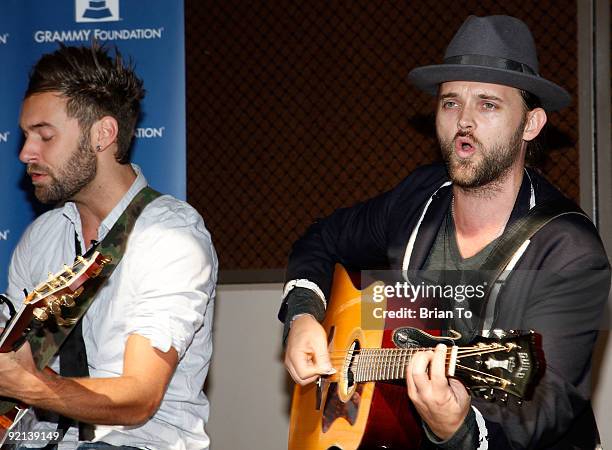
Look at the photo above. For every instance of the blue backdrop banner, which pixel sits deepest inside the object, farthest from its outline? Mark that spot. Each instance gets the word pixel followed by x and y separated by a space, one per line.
pixel 150 32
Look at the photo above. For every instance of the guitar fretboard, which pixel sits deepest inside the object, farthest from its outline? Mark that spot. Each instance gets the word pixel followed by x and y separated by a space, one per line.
pixel 380 364
pixel 383 364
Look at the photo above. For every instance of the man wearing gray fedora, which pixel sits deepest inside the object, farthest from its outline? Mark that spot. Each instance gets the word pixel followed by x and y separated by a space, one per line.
pixel 491 104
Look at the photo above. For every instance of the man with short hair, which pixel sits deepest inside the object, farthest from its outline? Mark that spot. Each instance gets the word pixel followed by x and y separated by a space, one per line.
pixel 491 103
pixel 147 334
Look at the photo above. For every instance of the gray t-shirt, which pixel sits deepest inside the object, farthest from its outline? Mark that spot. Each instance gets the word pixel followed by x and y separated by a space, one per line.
pixel 445 255
pixel 445 266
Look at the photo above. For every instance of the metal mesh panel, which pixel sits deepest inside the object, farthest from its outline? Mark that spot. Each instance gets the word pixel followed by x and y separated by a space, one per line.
pixel 295 109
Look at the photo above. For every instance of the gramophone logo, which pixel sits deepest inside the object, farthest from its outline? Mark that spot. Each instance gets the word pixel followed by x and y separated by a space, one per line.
pixel 97 10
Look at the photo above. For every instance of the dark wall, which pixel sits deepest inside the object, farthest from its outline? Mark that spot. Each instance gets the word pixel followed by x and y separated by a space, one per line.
pixel 296 109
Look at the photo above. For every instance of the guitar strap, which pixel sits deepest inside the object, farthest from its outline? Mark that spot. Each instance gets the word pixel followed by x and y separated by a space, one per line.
pixel 73 356
pixel 509 246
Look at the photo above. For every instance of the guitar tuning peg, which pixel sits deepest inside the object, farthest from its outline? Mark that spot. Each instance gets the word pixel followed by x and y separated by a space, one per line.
pixel 40 314
pixel 401 336
pixel 67 300
pixel 504 398
pixel 489 395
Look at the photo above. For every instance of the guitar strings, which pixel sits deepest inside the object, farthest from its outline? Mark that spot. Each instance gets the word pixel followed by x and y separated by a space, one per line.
pixel 392 361
pixel 57 280
pixel 392 352
pixel 482 373
pixel 391 349
pixel 391 367
pixel 395 365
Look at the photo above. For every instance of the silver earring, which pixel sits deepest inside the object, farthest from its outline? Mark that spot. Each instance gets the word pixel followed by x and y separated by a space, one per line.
pixel 98 148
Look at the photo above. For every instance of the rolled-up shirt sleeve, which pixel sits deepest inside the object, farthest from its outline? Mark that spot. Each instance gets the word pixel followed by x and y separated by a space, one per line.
pixel 172 281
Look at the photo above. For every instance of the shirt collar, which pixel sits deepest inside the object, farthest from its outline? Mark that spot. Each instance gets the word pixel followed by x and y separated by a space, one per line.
pixel 71 212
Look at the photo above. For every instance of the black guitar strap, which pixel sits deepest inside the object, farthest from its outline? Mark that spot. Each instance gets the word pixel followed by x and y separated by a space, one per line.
pixel 510 242
pixel 523 229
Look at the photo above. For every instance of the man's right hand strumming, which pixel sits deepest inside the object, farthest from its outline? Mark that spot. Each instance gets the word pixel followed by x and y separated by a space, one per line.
pixel 306 355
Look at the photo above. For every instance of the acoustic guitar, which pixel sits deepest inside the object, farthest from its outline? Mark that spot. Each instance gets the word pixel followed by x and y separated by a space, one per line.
pixel 365 404
pixel 45 319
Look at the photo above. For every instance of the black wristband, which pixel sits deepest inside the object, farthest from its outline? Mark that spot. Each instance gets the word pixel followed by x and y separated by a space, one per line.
pixel 301 301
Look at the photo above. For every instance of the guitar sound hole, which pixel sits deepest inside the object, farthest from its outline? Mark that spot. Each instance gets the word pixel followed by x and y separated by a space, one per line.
pixel 349 374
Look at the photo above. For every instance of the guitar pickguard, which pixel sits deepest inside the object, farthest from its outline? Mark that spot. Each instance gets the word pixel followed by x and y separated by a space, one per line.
pixel 335 408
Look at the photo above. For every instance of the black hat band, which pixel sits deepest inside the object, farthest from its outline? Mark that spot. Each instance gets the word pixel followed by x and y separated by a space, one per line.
pixel 491 61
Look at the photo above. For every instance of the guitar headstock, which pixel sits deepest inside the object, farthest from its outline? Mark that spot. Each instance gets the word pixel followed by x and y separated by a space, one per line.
pixel 62 288
pixel 53 298
pixel 495 367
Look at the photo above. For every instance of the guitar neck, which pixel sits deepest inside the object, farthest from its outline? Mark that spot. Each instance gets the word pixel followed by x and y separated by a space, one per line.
pixel 384 364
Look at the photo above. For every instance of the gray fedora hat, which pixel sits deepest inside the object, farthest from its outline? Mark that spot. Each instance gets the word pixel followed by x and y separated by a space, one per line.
pixel 492 49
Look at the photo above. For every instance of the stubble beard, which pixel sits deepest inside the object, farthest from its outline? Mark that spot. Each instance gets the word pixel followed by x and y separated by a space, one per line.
pixel 69 179
pixel 485 174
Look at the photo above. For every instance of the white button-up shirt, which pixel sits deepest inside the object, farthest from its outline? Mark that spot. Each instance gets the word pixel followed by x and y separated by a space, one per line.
pixel 163 289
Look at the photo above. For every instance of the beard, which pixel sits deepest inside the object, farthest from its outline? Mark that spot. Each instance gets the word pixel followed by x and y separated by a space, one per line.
pixel 68 180
pixel 493 166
